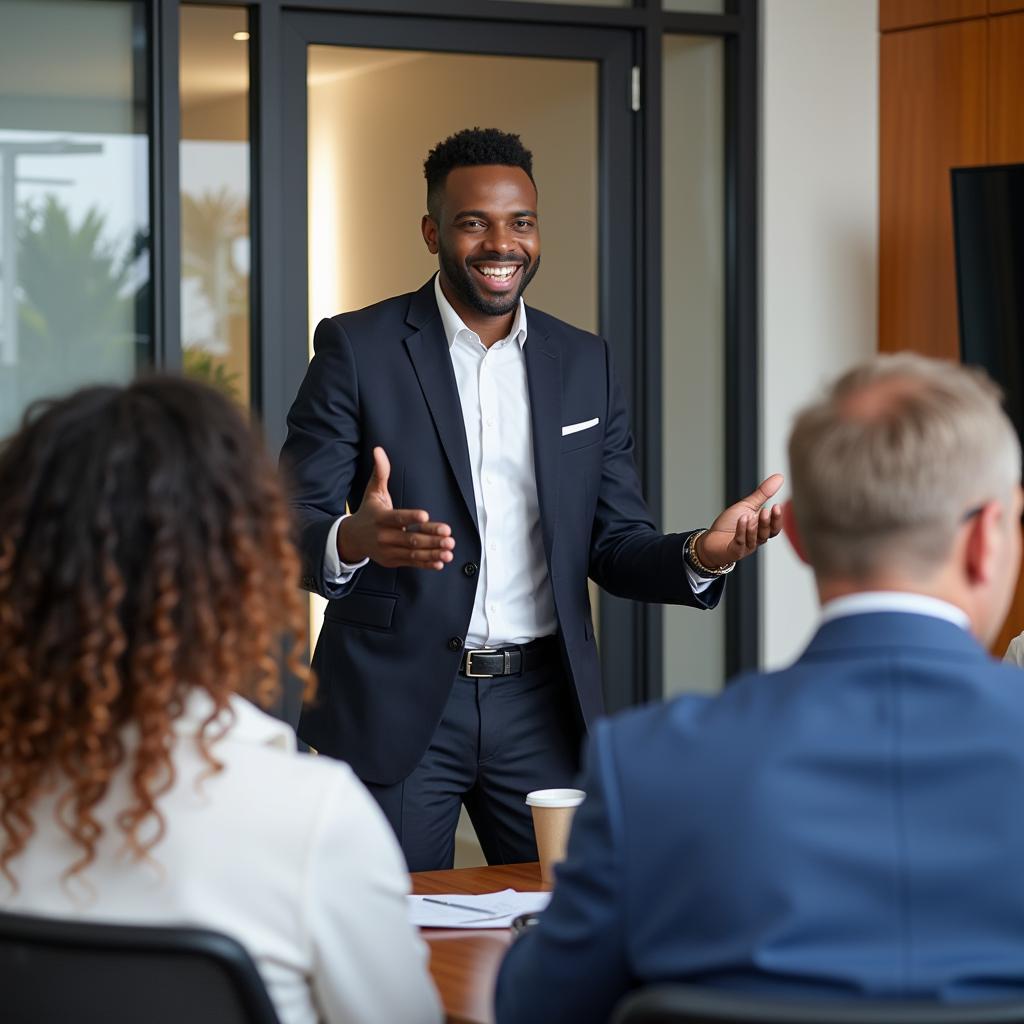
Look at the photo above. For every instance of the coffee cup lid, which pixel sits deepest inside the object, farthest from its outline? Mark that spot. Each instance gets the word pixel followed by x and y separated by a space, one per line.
pixel 555 798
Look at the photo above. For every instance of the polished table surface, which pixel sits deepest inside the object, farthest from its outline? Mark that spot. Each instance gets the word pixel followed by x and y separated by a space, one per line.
pixel 463 962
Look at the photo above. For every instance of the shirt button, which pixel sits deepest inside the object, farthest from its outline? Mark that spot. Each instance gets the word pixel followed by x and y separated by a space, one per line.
pixel 469 569
pixel 455 644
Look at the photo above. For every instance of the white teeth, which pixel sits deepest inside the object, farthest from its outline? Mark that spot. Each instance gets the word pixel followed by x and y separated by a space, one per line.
pixel 502 273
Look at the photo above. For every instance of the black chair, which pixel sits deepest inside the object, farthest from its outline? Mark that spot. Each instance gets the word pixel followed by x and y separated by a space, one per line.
pixel 686 1004
pixel 71 972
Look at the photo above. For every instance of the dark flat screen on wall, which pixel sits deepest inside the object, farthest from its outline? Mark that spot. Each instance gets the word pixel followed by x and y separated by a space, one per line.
pixel 988 223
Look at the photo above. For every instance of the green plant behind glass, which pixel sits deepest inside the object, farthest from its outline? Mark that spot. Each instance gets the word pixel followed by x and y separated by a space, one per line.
pixel 76 308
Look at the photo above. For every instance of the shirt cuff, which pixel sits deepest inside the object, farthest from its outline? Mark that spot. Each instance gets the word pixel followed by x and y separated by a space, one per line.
pixel 698 583
pixel 336 571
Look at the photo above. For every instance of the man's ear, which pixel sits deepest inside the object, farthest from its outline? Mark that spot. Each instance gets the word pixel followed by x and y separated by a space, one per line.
pixel 429 228
pixel 792 531
pixel 982 544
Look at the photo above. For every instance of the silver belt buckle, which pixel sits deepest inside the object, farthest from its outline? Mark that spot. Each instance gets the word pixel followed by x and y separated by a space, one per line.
pixel 469 663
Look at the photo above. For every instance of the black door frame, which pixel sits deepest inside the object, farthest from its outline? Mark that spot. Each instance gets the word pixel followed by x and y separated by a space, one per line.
pixel 631 632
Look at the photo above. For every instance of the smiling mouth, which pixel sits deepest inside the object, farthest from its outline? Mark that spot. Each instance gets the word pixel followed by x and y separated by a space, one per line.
pixel 497 276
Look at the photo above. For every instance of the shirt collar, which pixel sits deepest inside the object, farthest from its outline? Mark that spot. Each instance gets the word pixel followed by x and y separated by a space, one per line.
pixel 894 601
pixel 453 323
pixel 250 725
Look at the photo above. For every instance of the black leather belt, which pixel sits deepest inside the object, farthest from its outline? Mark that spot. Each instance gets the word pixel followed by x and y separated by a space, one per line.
pixel 488 662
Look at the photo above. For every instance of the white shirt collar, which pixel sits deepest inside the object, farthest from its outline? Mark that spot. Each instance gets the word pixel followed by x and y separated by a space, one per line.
pixel 894 601
pixel 250 724
pixel 453 323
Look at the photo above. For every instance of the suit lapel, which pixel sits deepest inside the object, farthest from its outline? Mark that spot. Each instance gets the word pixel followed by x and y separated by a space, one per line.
pixel 544 377
pixel 428 350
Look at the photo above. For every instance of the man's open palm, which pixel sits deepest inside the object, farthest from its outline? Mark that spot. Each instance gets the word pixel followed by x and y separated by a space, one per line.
pixel 742 528
pixel 390 536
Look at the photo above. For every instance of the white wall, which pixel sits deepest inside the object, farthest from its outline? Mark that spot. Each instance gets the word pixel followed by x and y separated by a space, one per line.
pixel 818 244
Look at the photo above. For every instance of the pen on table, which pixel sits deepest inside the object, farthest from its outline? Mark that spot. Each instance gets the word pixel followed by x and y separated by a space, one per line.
pixel 459 906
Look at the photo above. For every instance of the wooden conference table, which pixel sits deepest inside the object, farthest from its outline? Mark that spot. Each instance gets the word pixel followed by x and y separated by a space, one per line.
pixel 464 963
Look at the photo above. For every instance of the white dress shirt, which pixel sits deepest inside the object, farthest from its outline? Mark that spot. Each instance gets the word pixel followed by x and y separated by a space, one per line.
pixel 1015 652
pixel 287 853
pixel 869 601
pixel 514 603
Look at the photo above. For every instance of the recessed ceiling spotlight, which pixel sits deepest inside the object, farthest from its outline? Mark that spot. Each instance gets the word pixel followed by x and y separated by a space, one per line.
pixel 240 37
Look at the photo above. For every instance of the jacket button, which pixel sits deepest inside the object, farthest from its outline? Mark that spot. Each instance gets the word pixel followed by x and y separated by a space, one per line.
pixel 455 644
pixel 469 569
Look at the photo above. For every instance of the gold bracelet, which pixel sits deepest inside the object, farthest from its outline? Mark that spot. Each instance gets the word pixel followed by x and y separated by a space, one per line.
pixel 697 565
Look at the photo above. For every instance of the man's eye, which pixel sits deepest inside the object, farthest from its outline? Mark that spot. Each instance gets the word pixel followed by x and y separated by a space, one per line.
pixel 472 223
pixel 524 224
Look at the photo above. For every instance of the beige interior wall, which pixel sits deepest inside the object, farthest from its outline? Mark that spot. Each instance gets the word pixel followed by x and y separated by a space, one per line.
pixel 221 120
pixel 819 246
pixel 370 130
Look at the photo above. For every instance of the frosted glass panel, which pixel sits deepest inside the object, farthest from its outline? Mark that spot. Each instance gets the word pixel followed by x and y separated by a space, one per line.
pixel 74 198
pixel 589 3
pixel 693 338
pixel 214 168
pixel 697 6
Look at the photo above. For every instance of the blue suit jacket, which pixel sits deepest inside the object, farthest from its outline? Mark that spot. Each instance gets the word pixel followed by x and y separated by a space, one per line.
pixel 852 826
pixel 390 645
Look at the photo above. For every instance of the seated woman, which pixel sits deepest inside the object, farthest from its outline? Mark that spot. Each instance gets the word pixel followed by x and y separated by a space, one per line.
pixel 146 578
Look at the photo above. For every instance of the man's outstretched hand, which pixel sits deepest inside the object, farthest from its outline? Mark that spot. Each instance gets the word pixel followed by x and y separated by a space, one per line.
pixel 742 528
pixel 392 536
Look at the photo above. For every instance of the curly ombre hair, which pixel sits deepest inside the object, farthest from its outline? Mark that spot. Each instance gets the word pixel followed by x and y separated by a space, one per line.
pixel 145 551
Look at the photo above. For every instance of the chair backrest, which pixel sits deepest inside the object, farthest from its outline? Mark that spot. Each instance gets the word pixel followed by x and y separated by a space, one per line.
pixel 686 1004
pixel 76 972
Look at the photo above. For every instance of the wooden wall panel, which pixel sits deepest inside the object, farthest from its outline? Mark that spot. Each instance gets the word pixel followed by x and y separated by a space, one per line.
pixel 894 14
pixel 933 117
pixel 951 95
pixel 1006 90
pixel 1005 6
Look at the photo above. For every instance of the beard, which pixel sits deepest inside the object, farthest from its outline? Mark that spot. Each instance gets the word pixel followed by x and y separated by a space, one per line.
pixel 460 276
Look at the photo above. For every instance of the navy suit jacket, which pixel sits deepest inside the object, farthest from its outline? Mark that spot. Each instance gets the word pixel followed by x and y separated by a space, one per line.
pixel 391 640
pixel 852 826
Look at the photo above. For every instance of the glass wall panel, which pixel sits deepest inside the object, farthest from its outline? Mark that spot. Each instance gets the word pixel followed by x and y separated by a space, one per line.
pixel 74 198
pixel 215 248
pixel 589 3
pixel 698 6
pixel 693 417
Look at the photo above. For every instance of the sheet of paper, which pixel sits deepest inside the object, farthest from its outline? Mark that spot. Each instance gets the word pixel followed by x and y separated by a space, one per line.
pixel 489 910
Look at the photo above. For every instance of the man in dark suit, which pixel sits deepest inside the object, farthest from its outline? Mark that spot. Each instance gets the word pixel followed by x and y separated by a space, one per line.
pixel 849 826
pixel 491 449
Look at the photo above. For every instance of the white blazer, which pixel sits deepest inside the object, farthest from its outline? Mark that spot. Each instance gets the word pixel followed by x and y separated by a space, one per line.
pixel 287 853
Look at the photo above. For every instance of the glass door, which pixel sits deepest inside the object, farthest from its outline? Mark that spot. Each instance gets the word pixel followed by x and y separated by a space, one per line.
pixel 367 97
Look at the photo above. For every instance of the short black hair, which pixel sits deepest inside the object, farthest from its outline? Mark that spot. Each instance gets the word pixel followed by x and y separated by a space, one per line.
pixel 472 147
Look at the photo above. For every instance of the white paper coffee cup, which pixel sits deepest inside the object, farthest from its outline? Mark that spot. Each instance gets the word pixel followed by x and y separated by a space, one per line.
pixel 553 810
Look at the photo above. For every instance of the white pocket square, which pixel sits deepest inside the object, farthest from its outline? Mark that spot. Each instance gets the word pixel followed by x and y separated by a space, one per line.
pixel 574 428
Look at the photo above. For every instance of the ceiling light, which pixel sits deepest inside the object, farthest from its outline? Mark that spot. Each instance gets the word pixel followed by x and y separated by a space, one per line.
pixel 240 37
